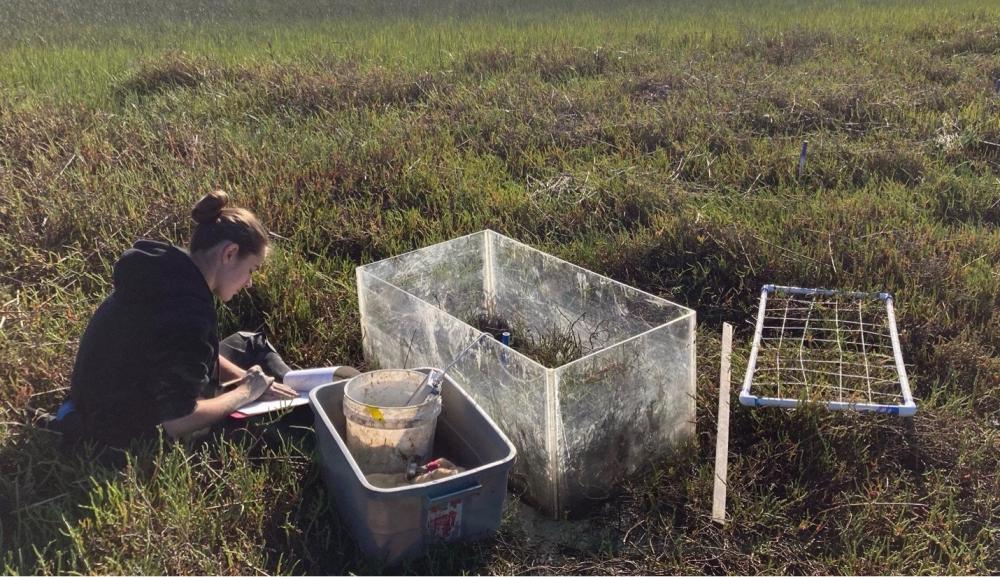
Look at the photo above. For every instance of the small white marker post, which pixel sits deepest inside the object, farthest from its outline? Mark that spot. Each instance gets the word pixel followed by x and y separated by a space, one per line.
pixel 722 435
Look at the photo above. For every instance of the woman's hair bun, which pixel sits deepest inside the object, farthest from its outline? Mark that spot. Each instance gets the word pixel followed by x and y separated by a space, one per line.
pixel 210 207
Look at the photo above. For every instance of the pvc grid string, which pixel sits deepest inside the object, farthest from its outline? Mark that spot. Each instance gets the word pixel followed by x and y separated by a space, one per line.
pixel 826 348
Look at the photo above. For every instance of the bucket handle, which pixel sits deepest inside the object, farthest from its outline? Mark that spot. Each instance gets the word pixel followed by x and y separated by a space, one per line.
pixel 460 492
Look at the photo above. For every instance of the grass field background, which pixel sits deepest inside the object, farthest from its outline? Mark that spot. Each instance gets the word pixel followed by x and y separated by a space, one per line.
pixel 653 142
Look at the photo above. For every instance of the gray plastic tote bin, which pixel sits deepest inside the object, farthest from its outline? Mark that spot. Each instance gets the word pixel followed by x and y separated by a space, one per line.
pixel 392 525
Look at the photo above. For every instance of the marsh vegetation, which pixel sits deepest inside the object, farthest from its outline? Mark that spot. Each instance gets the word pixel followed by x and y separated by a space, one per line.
pixel 654 143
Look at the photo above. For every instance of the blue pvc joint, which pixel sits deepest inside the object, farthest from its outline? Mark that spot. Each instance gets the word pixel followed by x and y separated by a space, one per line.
pixel 505 341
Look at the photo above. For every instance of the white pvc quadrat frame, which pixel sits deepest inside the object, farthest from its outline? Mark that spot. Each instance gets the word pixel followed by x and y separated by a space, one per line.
pixel 905 408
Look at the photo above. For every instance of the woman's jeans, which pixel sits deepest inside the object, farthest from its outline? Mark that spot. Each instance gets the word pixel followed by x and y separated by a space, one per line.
pixel 246 349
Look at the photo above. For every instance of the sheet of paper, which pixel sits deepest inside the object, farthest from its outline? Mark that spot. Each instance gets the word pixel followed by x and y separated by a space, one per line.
pixel 260 407
pixel 303 381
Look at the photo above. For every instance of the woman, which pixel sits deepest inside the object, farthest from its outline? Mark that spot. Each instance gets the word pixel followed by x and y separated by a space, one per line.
pixel 150 356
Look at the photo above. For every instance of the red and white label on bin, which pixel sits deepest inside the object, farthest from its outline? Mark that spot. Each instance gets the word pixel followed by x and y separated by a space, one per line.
pixel 444 520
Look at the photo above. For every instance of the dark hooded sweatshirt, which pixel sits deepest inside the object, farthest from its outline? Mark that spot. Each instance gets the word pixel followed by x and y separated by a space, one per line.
pixel 150 350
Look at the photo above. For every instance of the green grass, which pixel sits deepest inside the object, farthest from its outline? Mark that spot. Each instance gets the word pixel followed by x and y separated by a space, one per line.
pixel 653 142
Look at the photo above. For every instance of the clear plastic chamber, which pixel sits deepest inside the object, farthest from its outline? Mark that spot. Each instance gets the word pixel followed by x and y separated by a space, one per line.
pixel 599 379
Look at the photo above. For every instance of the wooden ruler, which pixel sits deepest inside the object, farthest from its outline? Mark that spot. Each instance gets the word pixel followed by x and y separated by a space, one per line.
pixel 722 435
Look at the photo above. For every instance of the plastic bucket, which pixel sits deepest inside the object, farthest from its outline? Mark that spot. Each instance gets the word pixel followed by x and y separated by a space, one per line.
pixel 383 433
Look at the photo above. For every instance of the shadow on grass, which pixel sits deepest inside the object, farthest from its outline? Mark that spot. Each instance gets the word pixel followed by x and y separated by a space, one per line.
pixel 43 490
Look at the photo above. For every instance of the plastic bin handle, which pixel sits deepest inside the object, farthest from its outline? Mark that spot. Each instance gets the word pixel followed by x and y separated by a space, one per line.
pixel 472 489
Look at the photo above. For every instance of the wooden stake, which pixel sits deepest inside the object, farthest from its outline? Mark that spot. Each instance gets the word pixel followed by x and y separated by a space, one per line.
pixel 722 434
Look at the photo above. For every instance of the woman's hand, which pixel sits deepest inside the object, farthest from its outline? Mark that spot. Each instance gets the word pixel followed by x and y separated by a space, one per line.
pixel 257 382
pixel 278 392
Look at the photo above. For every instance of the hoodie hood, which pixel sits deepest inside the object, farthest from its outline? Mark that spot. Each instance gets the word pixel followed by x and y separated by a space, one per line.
pixel 157 269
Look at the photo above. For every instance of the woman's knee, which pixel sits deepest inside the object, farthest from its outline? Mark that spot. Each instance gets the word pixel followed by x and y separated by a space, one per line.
pixel 346 372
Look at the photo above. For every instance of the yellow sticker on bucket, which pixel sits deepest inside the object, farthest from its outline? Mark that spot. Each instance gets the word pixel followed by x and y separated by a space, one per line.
pixel 375 413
